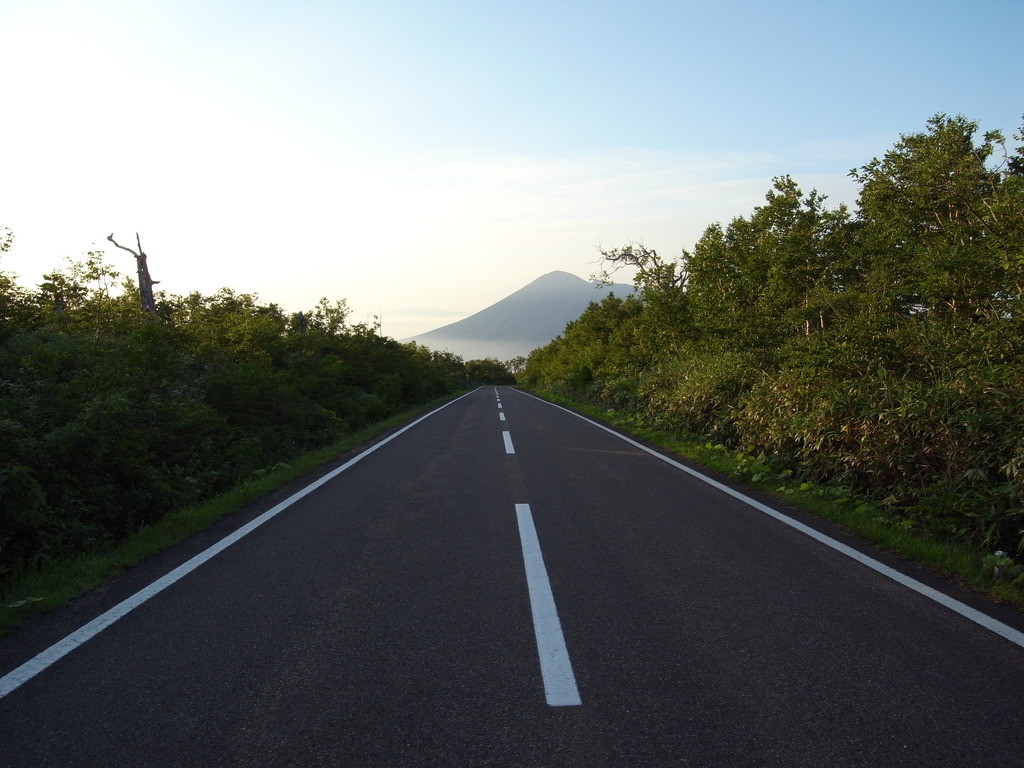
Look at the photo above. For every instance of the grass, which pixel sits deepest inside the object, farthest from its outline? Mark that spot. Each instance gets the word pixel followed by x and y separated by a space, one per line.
pixel 53 584
pixel 956 560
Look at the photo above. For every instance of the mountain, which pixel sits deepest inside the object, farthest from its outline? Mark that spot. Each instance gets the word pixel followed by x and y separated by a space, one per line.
pixel 522 321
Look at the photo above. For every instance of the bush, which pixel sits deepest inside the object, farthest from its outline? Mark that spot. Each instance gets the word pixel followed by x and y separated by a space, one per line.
pixel 698 393
pixel 110 418
pixel 934 435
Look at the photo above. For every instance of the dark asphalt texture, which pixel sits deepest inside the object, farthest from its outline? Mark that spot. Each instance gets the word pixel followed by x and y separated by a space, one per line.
pixel 384 620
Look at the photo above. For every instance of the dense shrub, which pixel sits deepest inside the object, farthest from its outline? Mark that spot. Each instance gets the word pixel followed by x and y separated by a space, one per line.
pixel 933 434
pixel 111 417
pixel 698 393
pixel 881 350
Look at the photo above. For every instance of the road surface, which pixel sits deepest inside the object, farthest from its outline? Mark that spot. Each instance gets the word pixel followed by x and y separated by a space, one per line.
pixel 504 583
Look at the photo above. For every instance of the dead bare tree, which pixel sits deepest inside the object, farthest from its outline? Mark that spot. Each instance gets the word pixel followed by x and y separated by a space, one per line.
pixel 146 282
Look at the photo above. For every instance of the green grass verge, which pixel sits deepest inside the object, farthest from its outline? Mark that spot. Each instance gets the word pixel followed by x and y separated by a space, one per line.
pixel 956 560
pixel 53 584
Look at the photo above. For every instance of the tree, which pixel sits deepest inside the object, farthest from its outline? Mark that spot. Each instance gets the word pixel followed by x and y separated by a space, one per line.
pixel 661 299
pixel 652 271
pixel 517 364
pixel 12 296
pixel 576 361
pixel 87 295
pixel 1008 208
pixel 146 283
pixel 327 317
pixel 941 228
pixel 236 324
pixel 778 273
pixel 489 371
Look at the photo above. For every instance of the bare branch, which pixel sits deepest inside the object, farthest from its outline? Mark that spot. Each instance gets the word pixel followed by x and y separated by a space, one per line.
pixel 651 271
pixel 110 237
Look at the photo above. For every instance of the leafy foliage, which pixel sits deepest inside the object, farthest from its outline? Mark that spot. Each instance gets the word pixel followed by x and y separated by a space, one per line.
pixel 111 417
pixel 879 350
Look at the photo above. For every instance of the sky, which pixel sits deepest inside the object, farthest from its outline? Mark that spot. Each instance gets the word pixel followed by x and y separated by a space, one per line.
pixel 422 159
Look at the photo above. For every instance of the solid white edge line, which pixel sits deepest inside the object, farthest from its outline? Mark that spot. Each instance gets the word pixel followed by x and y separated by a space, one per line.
pixel 507 437
pixel 61 648
pixel 982 619
pixel 555 667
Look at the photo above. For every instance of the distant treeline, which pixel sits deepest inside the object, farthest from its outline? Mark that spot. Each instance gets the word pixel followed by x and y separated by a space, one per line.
pixel 111 416
pixel 878 349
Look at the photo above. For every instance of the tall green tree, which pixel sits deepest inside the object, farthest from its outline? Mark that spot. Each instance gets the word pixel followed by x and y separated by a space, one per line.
pixel 942 224
pixel 657 321
pixel 782 271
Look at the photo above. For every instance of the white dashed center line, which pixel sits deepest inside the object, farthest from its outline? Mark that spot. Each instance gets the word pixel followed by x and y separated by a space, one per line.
pixel 555 668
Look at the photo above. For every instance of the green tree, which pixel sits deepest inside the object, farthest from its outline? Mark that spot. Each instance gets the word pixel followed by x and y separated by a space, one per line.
pixel 329 317
pixel 489 371
pixel 781 272
pixel 14 300
pixel 655 321
pixel 87 295
pixel 575 361
pixel 236 324
pixel 942 225
pixel 652 272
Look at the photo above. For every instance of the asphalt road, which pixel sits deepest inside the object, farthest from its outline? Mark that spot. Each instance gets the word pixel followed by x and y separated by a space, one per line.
pixel 553 596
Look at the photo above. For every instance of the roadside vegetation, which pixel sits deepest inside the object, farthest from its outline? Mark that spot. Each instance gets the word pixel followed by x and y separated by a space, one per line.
pixel 868 360
pixel 52 582
pixel 116 413
pixel 865 364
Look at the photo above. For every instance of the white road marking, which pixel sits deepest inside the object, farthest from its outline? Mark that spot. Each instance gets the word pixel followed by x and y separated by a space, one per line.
pixel 58 650
pixel 555 667
pixel 982 619
pixel 501 417
pixel 508 442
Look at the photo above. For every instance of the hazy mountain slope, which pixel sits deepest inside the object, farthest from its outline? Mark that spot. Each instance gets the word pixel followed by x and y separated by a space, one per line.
pixel 522 321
